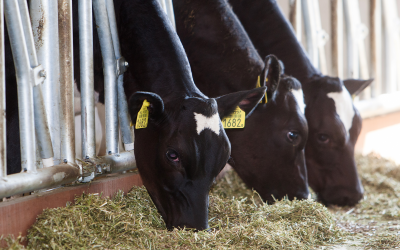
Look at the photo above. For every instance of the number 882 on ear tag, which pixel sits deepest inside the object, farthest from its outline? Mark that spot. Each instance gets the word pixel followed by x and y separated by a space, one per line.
pixel 234 120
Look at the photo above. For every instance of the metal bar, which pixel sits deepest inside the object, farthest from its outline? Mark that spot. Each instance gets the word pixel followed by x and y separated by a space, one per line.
pixel 3 144
pixel 337 37
pixel 321 36
pixel 123 114
pixel 37 76
pixel 44 178
pixel 376 46
pixel 110 75
pixel 295 17
pixel 170 12
pixel 44 18
pixel 310 28
pixel 67 116
pixel 391 43
pixel 352 52
pixel 87 78
pixel 25 97
pixel 114 163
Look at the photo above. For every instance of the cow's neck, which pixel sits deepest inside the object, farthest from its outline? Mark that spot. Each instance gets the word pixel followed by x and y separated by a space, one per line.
pixel 271 33
pixel 221 55
pixel 157 60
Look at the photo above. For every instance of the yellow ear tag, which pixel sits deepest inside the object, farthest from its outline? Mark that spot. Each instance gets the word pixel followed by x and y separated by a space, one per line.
pixel 258 86
pixel 143 116
pixel 235 120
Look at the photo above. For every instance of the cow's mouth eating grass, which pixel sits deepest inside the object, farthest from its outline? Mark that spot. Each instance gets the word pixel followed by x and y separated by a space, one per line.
pixel 237 219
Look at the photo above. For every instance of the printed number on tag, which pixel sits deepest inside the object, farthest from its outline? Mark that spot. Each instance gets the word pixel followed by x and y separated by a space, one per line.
pixel 143 116
pixel 234 120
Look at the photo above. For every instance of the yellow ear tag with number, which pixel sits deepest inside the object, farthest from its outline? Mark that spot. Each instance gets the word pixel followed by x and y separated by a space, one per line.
pixel 258 86
pixel 234 120
pixel 143 116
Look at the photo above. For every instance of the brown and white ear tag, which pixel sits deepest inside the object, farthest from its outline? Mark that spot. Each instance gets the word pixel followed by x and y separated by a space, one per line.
pixel 143 116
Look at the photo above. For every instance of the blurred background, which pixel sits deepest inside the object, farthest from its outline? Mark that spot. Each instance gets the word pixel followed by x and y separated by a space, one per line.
pixel 357 39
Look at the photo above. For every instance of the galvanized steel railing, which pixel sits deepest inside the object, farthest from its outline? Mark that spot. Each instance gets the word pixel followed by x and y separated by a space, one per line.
pixel 44 69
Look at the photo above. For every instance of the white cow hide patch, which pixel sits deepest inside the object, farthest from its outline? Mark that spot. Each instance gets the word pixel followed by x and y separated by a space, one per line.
pixel 344 107
pixel 204 122
pixel 298 95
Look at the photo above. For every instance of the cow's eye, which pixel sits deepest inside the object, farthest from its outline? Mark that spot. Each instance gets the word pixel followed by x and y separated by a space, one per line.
pixel 323 138
pixel 292 136
pixel 172 155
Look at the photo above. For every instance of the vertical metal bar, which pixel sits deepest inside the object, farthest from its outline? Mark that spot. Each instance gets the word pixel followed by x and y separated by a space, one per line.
pixel 309 28
pixel 25 97
pixel 67 116
pixel 352 51
pixel 295 17
pixel 376 45
pixel 37 76
pixel 391 44
pixel 87 78
pixel 110 75
pixel 123 114
pixel 44 18
pixel 170 12
pixel 321 36
pixel 337 37
pixel 3 144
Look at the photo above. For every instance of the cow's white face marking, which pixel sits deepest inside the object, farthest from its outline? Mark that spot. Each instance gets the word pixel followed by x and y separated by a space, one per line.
pixel 344 107
pixel 204 122
pixel 299 97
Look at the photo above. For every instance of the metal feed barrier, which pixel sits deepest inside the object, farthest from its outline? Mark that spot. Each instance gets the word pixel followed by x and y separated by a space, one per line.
pixel 41 41
pixel 384 47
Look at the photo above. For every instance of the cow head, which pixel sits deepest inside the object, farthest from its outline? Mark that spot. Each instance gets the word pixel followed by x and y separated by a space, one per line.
pixel 182 150
pixel 334 125
pixel 268 153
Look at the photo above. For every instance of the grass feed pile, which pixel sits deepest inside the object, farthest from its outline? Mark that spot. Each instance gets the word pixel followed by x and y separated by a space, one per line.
pixel 237 218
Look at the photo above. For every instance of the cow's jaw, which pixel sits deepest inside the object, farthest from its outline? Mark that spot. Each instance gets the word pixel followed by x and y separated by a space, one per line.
pixel 344 107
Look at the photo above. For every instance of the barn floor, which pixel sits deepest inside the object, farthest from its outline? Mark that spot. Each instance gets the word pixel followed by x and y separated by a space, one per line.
pixel 373 224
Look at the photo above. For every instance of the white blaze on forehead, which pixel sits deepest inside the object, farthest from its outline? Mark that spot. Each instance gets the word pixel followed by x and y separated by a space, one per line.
pixel 204 122
pixel 344 107
pixel 298 95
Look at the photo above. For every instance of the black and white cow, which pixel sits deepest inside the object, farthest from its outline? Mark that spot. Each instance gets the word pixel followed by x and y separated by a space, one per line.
pixel 268 153
pixel 333 122
pixel 184 145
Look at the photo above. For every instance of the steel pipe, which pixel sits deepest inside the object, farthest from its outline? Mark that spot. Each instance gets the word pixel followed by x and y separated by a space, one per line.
pixel 67 116
pixel 37 77
pixel 123 114
pixel 110 75
pixel 376 46
pixel 337 37
pixel 44 18
pixel 3 144
pixel 295 17
pixel 25 97
pixel 310 28
pixel 44 178
pixel 170 12
pixel 113 163
pixel 392 47
pixel 87 78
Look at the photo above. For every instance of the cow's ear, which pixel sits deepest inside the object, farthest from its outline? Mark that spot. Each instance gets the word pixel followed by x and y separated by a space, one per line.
pixel 247 100
pixel 355 86
pixel 271 74
pixel 156 107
